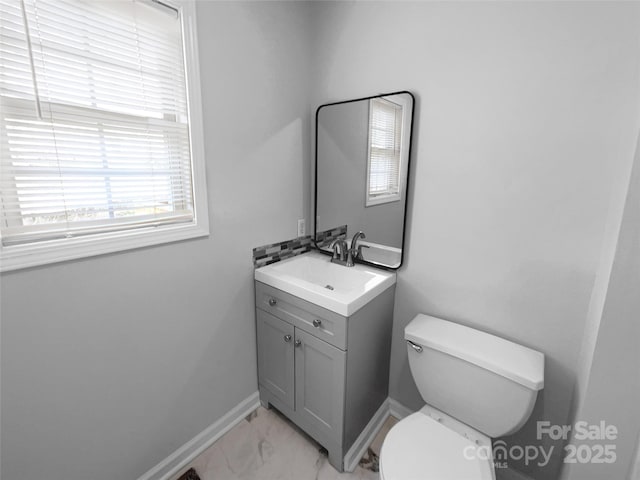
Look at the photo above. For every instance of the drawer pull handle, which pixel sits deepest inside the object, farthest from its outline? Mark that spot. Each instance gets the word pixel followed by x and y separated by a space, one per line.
pixel 298 343
pixel 272 302
pixel 317 323
pixel 287 338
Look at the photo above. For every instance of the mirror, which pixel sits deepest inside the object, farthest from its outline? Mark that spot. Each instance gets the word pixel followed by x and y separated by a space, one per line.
pixel 363 148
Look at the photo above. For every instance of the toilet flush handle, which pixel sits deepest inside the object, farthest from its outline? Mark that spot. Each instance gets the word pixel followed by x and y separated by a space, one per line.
pixel 416 347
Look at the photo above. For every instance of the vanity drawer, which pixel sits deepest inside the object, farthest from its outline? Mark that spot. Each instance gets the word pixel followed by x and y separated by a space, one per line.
pixel 318 321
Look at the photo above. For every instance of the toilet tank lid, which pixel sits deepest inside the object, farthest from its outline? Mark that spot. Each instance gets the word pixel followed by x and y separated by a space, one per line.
pixel 510 360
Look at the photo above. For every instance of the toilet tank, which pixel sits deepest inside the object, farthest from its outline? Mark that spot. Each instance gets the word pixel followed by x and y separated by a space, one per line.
pixel 487 382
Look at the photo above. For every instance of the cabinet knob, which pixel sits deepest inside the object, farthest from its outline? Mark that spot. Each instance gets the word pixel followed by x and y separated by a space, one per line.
pixel 272 302
pixel 287 338
pixel 317 323
pixel 298 343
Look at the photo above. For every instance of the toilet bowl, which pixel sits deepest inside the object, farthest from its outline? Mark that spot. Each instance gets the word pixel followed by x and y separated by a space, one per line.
pixel 430 445
pixel 476 385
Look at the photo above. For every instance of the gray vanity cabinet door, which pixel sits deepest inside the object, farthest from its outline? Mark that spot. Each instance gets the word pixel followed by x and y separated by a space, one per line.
pixel 320 377
pixel 275 357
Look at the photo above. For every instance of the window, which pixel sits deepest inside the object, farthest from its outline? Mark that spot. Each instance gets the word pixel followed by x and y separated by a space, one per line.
pixel 385 141
pixel 100 131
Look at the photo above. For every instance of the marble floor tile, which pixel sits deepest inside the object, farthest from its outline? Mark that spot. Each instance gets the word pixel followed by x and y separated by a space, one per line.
pixel 267 446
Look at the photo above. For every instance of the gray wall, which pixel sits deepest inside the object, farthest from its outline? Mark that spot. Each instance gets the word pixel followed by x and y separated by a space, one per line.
pixel 526 121
pixel 343 137
pixel 109 364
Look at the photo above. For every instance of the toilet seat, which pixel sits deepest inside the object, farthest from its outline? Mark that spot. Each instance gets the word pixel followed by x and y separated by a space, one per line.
pixel 420 447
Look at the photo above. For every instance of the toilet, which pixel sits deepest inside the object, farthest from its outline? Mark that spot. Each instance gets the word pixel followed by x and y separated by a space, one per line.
pixel 476 387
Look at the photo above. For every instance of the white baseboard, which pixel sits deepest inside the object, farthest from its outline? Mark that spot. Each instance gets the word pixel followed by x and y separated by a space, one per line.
pixel 179 459
pixel 359 447
pixel 398 410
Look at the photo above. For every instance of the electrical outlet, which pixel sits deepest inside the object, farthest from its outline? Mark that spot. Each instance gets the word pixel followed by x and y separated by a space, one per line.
pixel 301 227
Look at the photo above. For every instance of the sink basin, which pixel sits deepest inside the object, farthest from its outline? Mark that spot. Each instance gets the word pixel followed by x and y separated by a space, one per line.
pixel 314 278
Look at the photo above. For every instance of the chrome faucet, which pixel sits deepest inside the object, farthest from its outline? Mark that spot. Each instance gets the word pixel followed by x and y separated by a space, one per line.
pixel 339 247
pixel 355 252
pixel 347 256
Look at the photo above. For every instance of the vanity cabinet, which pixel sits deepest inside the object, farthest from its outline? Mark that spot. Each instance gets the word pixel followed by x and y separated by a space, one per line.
pixel 326 372
pixel 303 372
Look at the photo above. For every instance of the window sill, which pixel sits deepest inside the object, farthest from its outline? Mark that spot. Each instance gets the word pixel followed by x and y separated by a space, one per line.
pixel 379 200
pixel 54 251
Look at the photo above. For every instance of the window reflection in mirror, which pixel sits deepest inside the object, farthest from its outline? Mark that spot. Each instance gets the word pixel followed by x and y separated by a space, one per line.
pixel 385 147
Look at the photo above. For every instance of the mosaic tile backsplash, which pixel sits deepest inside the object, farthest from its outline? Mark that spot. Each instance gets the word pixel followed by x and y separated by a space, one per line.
pixel 275 252
pixel 324 239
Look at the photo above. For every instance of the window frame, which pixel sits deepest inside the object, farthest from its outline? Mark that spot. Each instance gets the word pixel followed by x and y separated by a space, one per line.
pixel 27 255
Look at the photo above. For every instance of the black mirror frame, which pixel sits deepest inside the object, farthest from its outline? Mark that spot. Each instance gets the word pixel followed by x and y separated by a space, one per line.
pixel 406 198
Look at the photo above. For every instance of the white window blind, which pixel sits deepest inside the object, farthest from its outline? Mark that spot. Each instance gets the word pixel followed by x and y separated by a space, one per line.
pixel 94 129
pixel 385 139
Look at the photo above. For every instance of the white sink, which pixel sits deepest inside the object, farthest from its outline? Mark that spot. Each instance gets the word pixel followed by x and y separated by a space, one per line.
pixel 314 278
